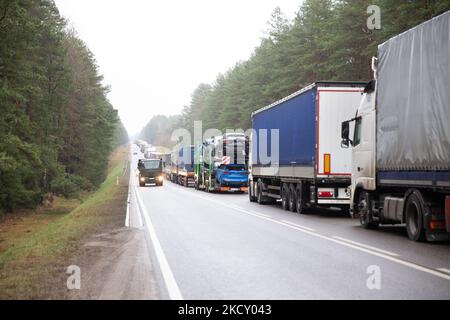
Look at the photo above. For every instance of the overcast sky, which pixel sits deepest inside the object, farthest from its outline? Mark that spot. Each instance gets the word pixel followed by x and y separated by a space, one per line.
pixel 154 53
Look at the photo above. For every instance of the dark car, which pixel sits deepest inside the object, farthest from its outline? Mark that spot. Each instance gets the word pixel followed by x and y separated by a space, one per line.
pixel 150 172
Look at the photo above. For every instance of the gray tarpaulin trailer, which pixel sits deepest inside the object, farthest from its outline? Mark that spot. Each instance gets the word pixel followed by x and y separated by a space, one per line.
pixel 401 141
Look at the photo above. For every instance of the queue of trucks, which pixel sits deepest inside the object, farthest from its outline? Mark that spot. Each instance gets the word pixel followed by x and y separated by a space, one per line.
pixel 380 150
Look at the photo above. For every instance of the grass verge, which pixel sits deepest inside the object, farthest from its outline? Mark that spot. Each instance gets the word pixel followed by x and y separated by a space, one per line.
pixel 35 250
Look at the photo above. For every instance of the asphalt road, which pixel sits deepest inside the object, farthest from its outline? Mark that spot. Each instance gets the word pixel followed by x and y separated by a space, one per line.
pixel 221 246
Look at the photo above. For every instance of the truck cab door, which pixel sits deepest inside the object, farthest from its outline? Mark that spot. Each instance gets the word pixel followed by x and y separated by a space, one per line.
pixel 364 143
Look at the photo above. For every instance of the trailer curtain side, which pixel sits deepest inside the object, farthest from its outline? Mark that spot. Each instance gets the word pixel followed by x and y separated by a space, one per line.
pixel 413 107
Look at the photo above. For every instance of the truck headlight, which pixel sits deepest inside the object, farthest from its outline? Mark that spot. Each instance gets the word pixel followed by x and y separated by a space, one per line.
pixel 142 179
pixel 160 178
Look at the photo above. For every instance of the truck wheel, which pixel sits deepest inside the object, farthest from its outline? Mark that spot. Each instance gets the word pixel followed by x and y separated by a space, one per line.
pixel 299 199
pixel 141 184
pixel 292 198
pixel 285 197
pixel 414 214
pixel 365 211
pixel 259 194
pixel 251 191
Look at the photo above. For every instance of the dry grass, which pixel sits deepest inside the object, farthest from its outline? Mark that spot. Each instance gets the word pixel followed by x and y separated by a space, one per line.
pixel 35 249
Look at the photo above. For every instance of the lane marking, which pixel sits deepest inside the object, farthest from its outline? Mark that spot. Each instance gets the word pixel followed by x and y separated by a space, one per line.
pixel 408 264
pixel 261 214
pixel 141 223
pixel 444 270
pixel 238 208
pixel 298 226
pixel 127 216
pixel 367 246
pixel 169 279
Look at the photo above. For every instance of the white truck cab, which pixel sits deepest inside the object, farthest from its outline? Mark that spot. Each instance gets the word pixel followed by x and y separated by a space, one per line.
pixel 363 142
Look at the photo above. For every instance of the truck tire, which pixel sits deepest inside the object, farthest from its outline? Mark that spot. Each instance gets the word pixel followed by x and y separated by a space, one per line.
pixel 285 196
pixel 414 217
pixel 292 198
pixel 142 185
pixel 300 200
pixel 365 211
pixel 208 187
pixel 259 196
pixel 251 192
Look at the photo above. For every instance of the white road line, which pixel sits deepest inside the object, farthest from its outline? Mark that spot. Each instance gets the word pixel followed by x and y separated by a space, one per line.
pixel 141 223
pixel 239 209
pixel 169 279
pixel 444 270
pixel 297 225
pixel 261 214
pixel 366 246
pixel 411 265
pixel 127 216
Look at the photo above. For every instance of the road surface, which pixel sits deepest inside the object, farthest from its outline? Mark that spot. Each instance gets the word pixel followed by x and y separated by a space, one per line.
pixel 221 246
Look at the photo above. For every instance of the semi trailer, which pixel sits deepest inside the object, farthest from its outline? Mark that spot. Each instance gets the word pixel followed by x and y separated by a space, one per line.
pixel 182 168
pixel 401 135
pixel 222 164
pixel 311 169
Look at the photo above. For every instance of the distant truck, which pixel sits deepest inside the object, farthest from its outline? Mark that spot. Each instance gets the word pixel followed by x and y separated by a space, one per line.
pixel 401 135
pixel 222 164
pixel 182 169
pixel 150 172
pixel 312 170
pixel 167 165
pixel 151 153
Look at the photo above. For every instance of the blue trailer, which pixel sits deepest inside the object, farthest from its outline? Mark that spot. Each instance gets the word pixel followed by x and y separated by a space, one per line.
pixel 296 153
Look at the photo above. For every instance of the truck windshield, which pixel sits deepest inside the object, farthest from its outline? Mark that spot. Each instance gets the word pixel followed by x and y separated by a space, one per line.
pixel 152 164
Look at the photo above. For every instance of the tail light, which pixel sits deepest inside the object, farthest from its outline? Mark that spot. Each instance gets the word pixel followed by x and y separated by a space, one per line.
pixel 326 194
pixel 437 225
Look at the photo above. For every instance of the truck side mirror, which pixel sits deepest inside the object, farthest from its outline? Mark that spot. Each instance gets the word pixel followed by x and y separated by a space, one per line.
pixel 345 135
pixel 370 86
pixel 345 130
